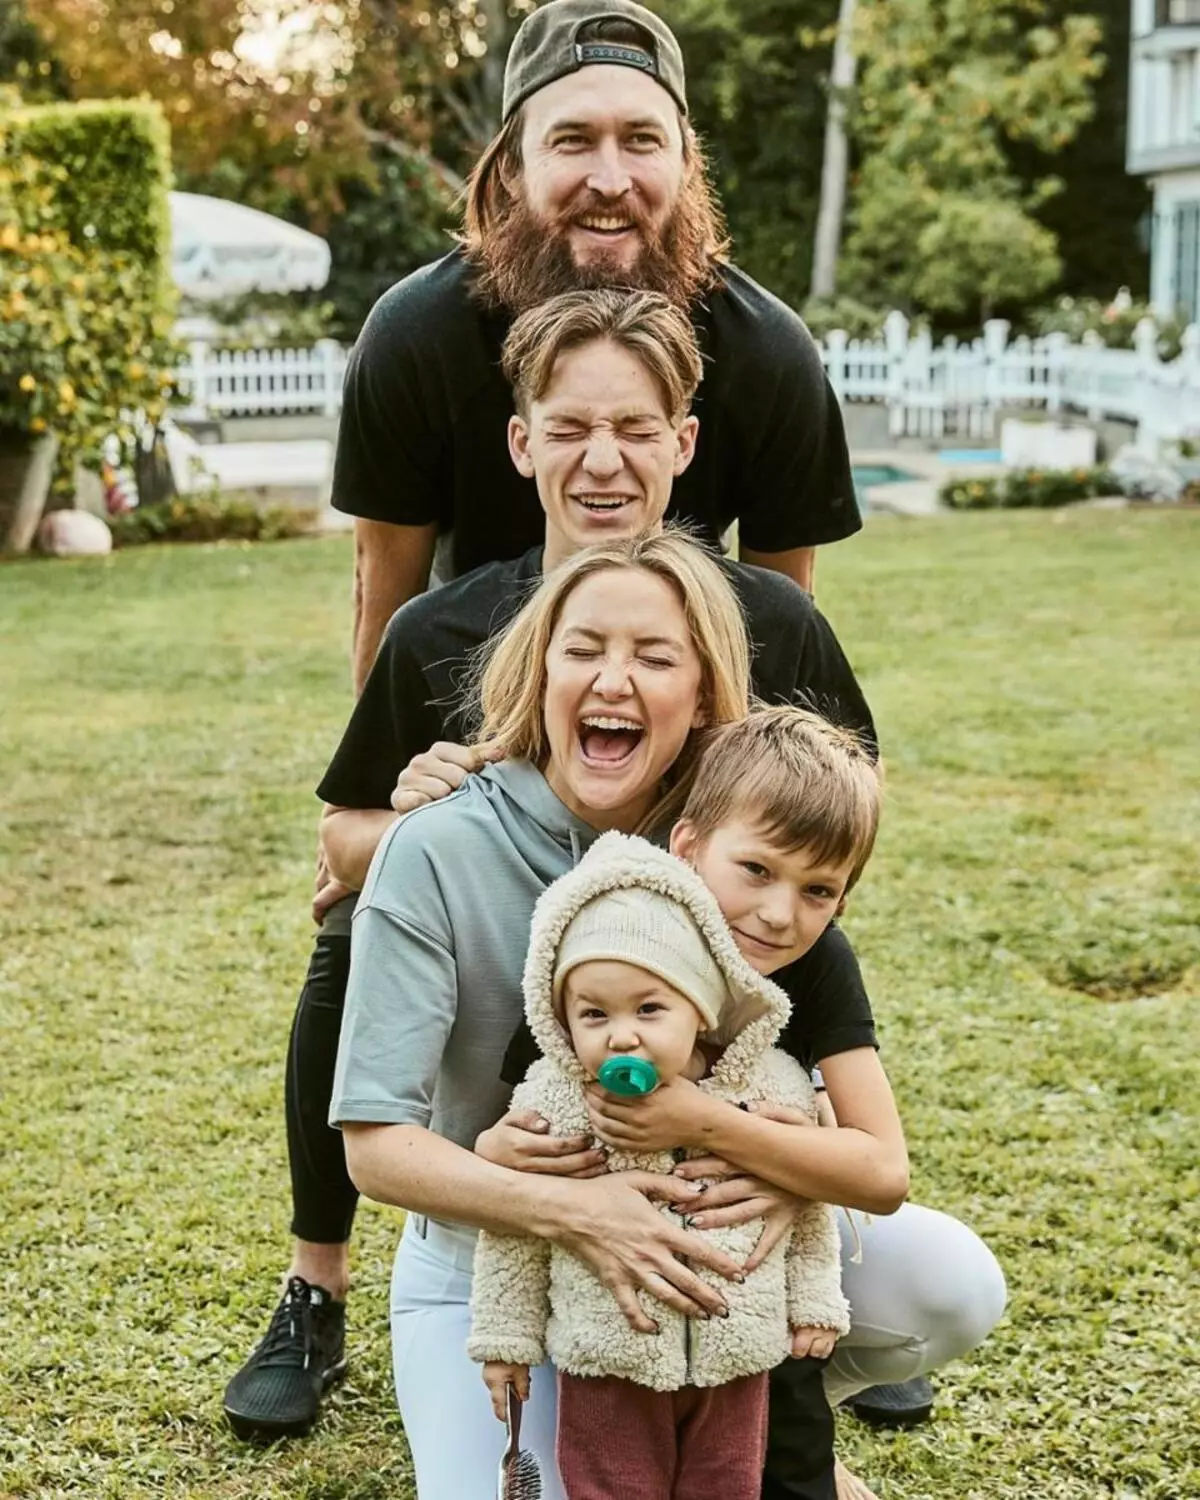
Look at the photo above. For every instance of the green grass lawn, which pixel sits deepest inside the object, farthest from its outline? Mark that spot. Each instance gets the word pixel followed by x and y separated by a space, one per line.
pixel 1029 930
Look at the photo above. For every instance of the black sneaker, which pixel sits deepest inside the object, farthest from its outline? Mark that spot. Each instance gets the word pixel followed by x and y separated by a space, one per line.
pixel 277 1392
pixel 907 1404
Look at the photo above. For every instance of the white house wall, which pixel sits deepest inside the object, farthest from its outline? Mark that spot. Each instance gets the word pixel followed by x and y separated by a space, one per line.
pixel 1164 143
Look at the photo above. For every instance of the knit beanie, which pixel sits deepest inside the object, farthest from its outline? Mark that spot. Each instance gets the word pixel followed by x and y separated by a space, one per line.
pixel 653 932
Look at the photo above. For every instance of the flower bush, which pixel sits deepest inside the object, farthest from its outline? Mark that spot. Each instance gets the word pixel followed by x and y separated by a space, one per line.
pixel 1025 489
pixel 85 329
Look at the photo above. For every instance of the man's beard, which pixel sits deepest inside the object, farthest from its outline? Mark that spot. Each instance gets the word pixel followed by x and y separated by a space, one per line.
pixel 525 261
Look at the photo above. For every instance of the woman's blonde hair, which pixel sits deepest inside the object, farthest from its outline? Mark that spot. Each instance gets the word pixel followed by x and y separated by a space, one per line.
pixel 510 671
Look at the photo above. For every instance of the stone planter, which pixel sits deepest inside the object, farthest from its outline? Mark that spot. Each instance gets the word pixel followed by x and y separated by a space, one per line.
pixel 26 469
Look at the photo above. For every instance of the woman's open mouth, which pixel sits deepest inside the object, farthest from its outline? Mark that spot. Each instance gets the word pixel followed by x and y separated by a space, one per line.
pixel 608 741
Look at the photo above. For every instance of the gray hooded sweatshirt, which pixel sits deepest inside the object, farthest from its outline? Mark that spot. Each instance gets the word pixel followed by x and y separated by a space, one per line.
pixel 444 915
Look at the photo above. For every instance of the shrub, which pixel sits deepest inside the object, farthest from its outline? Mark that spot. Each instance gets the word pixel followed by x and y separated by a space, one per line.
pixel 856 319
pixel 208 518
pixel 264 320
pixel 1025 489
pixel 1114 321
pixel 85 317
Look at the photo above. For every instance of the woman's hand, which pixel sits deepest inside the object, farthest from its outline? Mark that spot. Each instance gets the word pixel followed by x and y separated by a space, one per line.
pixel 632 1247
pixel 437 772
pixel 498 1377
pixel 675 1114
pixel 521 1141
pixel 735 1197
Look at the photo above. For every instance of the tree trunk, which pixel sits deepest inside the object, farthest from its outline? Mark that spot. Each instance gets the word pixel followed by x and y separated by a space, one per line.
pixel 834 164
pixel 26 469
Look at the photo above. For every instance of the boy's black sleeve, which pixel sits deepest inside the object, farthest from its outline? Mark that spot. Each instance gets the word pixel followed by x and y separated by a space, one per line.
pixel 521 1055
pixel 392 721
pixel 825 681
pixel 831 1012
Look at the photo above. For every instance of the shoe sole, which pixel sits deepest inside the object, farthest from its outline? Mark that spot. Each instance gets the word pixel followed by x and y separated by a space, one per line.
pixel 254 1430
pixel 886 1416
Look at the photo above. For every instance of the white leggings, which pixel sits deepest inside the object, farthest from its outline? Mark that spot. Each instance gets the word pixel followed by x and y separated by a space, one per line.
pixel 927 1290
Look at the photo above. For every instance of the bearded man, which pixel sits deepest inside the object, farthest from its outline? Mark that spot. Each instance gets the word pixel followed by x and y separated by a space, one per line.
pixel 596 178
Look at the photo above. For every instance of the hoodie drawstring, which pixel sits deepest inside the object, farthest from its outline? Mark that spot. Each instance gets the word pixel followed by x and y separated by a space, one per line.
pixel 576 851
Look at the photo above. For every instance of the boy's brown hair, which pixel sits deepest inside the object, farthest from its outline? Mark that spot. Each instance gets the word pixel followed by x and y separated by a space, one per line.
pixel 645 324
pixel 806 783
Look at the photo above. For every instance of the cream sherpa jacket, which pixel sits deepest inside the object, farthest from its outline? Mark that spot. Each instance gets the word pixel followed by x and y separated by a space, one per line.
pixel 532 1300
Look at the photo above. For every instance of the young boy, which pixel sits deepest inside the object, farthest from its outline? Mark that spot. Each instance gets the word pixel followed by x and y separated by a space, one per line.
pixel 631 955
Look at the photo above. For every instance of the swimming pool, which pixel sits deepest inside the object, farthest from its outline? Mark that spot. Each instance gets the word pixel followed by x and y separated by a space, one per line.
pixel 867 475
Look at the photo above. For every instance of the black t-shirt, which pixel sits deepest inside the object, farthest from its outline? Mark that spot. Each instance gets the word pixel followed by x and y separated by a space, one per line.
pixel 423 434
pixel 415 695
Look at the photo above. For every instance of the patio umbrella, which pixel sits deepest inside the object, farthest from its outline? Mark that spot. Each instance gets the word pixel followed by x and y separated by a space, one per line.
pixel 221 249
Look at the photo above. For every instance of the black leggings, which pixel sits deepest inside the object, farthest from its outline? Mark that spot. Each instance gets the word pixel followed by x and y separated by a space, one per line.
pixel 800 1426
pixel 323 1197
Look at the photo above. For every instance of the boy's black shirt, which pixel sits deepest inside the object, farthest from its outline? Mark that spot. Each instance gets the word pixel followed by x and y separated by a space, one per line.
pixel 423 433
pixel 415 694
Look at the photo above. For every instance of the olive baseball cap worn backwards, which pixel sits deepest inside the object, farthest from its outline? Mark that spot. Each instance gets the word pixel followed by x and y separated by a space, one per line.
pixel 547 47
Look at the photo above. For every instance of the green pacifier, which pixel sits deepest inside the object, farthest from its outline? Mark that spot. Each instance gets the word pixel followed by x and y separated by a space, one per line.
pixel 629 1076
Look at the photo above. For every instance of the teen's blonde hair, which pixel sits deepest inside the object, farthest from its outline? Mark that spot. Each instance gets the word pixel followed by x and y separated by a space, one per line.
pixel 511 670
pixel 646 324
pixel 804 782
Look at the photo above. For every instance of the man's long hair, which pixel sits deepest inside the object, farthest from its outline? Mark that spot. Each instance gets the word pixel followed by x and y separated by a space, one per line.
pixel 519 261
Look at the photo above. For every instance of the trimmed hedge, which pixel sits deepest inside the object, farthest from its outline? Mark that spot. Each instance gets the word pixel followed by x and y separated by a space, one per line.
pixel 1025 489
pixel 86 304
pixel 108 163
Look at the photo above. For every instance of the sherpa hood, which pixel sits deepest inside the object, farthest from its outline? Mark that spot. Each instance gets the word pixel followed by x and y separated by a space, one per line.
pixel 758 1010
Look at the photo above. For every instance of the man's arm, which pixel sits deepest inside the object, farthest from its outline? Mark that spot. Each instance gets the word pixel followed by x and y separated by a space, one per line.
pixel 349 838
pixel 797 563
pixel 391 566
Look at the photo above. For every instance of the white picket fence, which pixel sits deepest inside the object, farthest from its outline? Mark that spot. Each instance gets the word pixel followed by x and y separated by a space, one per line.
pixel 952 389
pixel 245 382
pixel 959 389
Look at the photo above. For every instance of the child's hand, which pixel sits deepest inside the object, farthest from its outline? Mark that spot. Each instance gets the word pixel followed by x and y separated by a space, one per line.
pixel 674 1115
pixel 498 1377
pixel 813 1343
